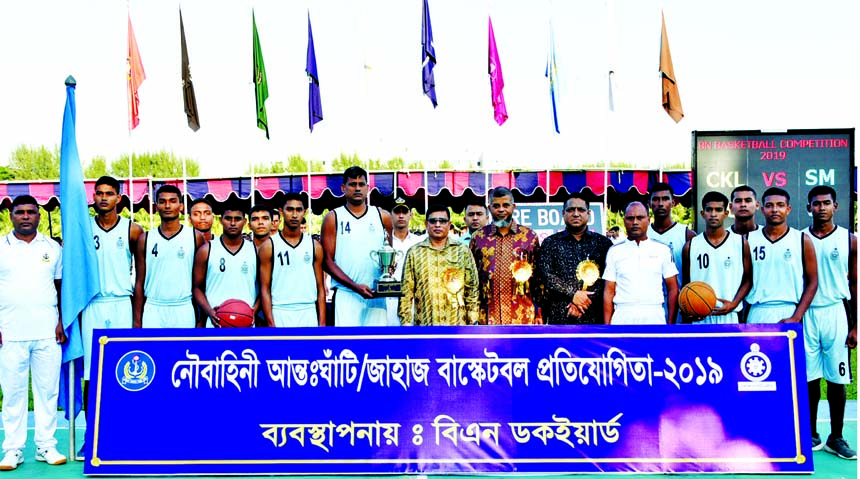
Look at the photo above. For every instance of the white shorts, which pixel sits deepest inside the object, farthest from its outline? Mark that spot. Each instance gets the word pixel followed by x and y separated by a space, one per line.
pixel 350 309
pixel 770 313
pixel 169 316
pixel 825 329
pixel 296 316
pixel 731 318
pixel 636 314
pixel 103 313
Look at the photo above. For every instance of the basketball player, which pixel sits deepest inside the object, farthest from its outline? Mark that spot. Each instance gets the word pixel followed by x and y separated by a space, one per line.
pixel 202 217
pixel 162 290
pixel 298 292
pixel 402 239
pixel 115 240
pixel 744 205
pixel 276 221
pixel 830 323
pixel 785 272
pixel 349 234
pixel 721 259
pixel 226 268
pixel 665 230
pixel 636 271
pixel 261 224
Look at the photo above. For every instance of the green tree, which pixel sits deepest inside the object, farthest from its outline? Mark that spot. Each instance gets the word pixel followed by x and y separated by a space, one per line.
pixel 294 164
pixel 97 168
pixel 160 164
pixel 35 163
pixel 6 174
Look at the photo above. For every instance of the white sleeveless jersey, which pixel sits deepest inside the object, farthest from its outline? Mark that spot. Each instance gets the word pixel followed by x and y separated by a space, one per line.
pixel 721 266
pixel 229 275
pixel 831 252
pixel 293 278
pixel 675 238
pixel 115 258
pixel 356 238
pixel 169 263
pixel 777 267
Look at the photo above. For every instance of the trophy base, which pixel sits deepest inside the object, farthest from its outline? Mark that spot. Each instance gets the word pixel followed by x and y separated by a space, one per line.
pixel 387 289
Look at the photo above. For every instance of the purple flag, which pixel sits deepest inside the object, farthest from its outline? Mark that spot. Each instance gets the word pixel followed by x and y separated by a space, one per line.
pixel 497 83
pixel 428 56
pixel 315 114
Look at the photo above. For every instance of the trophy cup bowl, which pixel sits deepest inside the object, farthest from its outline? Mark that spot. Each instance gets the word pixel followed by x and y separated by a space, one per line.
pixel 386 285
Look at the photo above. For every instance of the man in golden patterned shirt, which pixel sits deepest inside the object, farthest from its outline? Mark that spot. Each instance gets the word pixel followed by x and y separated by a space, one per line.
pixel 505 255
pixel 439 278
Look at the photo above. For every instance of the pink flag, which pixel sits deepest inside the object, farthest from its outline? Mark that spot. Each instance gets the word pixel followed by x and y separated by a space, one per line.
pixel 497 83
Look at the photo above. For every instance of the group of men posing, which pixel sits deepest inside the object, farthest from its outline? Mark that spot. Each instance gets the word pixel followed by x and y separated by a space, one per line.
pixel 499 274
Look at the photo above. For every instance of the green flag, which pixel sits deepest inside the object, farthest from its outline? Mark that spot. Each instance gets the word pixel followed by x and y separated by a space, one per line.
pixel 261 86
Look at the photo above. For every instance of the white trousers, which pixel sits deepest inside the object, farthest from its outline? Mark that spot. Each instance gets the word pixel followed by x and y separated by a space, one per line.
pixel 296 316
pixel 639 314
pixel 350 309
pixel 17 359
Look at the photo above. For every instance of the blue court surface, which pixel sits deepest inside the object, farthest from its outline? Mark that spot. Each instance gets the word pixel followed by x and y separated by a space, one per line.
pixel 827 465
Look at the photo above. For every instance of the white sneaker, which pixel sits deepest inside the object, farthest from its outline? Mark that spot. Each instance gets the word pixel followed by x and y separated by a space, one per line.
pixel 11 460
pixel 50 455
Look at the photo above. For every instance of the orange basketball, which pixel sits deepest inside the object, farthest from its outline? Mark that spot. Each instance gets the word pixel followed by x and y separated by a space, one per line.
pixel 697 299
pixel 235 313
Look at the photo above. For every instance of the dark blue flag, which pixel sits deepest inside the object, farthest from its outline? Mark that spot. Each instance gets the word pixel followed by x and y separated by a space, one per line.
pixel 315 114
pixel 428 56
pixel 80 264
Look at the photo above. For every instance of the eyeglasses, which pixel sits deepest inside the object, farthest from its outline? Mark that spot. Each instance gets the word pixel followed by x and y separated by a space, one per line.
pixel 437 221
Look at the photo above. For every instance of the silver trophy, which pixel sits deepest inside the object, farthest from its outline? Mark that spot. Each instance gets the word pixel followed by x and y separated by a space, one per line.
pixel 387 257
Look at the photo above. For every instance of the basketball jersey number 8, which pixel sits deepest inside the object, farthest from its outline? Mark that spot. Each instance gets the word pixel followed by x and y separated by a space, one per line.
pixel 758 253
pixel 344 229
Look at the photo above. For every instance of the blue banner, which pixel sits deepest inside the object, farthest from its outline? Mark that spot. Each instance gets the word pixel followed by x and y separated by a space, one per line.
pixel 449 400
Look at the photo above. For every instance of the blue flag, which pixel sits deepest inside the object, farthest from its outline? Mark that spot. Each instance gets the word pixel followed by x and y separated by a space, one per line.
pixel 552 75
pixel 428 56
pixel 80 265
pixel 315 114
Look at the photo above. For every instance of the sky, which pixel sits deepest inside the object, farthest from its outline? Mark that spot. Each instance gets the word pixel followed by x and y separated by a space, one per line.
pixel 740 65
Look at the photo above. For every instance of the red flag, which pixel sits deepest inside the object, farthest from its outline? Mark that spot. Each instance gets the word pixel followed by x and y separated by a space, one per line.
pixel 671 97
pixel 136 76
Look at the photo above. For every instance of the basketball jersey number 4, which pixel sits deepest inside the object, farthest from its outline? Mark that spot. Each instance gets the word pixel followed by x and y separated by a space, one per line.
pixel 344 229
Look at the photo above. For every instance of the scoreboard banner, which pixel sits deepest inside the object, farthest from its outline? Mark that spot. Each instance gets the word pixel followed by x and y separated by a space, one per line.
pixel 441 400
pixel 795 161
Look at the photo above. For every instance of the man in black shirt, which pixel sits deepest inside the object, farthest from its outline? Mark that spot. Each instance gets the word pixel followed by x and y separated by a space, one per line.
pixel 563 258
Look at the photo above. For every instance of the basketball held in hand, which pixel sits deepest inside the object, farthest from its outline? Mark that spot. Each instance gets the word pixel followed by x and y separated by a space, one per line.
pixel 235 313
pixel 697 300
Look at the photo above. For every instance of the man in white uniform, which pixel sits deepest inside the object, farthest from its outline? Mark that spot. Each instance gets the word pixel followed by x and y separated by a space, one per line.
pixel 298 292
pixel 226 268
pixel 829 327
pixel 721 259
pixel 202 217
pixel 663 229
pixel 402 240
pixel 636 271
pixel 785 271
pixel 31 331
pixel 162 290
pixel 744 205
pixel 115 240
pixel 349 234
